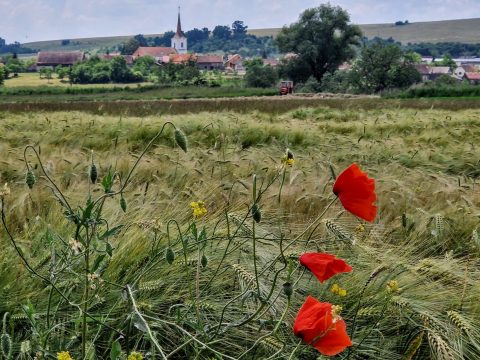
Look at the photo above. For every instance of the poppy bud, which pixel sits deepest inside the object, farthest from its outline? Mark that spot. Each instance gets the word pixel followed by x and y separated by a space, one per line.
pixel 93 174
pixel 123 204
pixel 288 289
pixel 6 345
pixel 404 220
pixel 181 139
pixel 256 213
pixel 204 261
pixel 30 180
pixel 289 154
pixel 170 255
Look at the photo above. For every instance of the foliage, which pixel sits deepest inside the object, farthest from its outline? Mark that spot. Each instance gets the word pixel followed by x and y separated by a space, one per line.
pixel 144 65
pixel 15 48
pixel 130 46
pixel 455 49
pixel 2 75
pixel 179 74
pixel 222 32
pixel 442 89
pixel 261 76
pixel 323 39
pixel 383 66
pixel 61 71
pixel 97 71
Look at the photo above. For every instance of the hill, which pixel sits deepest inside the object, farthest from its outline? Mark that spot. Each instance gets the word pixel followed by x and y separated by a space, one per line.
pixel 463 30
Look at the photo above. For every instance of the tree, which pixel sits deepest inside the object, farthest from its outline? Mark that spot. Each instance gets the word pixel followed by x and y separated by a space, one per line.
pixel 142 41
pixel 383 66
pixel 144 65
pixel 222 32
pixel 239 29
pixel 196 36
pixel 2 75
pixel 61 71
pixel 130 46
pixel 323 38
pixel 261 76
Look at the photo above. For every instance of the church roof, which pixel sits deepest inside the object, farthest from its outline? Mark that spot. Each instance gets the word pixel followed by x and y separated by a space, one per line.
pixel 179 32
pixel 154 51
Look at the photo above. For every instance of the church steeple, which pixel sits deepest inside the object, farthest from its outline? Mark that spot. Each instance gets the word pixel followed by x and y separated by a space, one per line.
pixel 179 40
pixel 179 25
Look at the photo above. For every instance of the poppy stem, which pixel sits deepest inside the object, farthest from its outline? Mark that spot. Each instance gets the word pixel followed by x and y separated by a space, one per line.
pixel 319 217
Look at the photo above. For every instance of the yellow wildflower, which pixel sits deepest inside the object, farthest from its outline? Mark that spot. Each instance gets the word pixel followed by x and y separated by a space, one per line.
pixel 392 286
pixel 336 310
pixel 135 356
pixel 360 228
pixel 198 209
pixel 64 355
pixel 288 159
pixel 336 289
pixel 5 191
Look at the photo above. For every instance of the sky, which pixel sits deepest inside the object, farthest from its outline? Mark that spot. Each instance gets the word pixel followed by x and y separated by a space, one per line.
pixel 34 20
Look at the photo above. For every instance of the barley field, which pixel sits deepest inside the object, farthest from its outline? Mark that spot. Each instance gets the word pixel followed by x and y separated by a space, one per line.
pixel 116 243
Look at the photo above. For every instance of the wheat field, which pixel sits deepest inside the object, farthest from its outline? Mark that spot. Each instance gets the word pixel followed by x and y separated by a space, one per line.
pixel 221 295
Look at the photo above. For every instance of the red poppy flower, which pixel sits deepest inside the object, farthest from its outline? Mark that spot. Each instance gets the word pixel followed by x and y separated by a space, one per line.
pixel 356 191
pixel 324 266
pixel 318 325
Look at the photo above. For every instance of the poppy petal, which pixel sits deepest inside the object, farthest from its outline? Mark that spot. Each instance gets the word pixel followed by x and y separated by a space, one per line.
pixel 324 266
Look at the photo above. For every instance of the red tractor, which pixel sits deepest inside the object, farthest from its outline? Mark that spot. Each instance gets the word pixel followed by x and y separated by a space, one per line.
pixel 286 87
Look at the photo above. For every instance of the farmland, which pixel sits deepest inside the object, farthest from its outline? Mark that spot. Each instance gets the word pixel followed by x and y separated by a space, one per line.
pixel 222 295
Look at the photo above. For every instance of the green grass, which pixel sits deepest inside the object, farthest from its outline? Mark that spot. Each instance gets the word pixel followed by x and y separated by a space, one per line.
pixel 425 164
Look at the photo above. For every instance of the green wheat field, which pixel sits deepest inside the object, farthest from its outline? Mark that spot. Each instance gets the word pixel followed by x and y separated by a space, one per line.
pixel 149 280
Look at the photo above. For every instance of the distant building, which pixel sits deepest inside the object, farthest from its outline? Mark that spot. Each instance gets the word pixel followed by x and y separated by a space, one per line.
pixel 234 63
pixel 157 52
pixel 182 58
pixel 210 62
pixel 459 72
pixel 179 40
pixel 128 58
pixel 473 77
pixel 470 68
pixel 437 71
pixel 271 62
pixel 424 71
pixel 55 58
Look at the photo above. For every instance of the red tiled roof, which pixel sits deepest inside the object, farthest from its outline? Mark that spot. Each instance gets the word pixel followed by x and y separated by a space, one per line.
pixel 182 58
pixel 422 69
pixel 155 51
pixel 128 58
pixel 234 59
pixel 472 75
pixel 202 59
pixel 470 68
pixel 271 62
pixel 59 57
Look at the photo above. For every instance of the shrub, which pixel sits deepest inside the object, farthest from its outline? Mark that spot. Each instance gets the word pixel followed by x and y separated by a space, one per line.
pixel 261 76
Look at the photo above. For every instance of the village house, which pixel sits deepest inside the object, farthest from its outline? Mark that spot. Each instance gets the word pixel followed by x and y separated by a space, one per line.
pixel 110 56
pixel 157 52
pixel 234 63
pixel 437 71
pixel 54 58
pixel 424 71
pixel 473 77
pixel 210 62
pixel 181 58
pixel 271 62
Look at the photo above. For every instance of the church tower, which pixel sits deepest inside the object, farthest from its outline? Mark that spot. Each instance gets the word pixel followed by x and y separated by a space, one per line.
pixel 179 41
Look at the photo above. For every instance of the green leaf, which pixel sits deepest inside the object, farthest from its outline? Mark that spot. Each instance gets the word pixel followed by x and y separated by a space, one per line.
pixel 97 263
pixel 116 350
pixel 107 182
pixel 113 231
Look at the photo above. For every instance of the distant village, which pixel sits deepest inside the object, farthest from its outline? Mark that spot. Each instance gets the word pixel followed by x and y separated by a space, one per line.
pixel 466 69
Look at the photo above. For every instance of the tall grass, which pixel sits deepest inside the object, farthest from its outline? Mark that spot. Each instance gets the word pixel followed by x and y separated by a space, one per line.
pixel 425 236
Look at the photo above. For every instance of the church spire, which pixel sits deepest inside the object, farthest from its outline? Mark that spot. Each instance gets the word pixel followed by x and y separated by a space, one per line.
pixel 179 25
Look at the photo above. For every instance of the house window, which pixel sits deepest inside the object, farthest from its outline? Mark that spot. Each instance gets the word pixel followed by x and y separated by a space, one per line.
pixel 181 46
pixel 174 45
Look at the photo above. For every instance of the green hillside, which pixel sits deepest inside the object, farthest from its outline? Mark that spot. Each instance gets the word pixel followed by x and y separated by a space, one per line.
pixel 463 30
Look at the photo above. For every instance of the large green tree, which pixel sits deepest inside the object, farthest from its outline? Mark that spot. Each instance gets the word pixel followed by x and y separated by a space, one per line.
pixel 322 38
pixel 383 66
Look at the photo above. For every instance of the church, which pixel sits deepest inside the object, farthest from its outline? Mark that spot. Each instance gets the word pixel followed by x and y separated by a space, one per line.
pixel 179 40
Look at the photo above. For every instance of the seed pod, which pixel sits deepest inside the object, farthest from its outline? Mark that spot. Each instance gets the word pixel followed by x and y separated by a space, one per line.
pixel 170 255
pixel 404 220
pixel 123 204
pixel 288 289
pixel 256 213
pixel 204 261
pixel 93 174
pixel 30 179
pixel 6 345
pixel 181 139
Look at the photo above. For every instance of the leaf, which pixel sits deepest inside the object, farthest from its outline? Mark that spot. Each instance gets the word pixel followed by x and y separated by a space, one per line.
pixel 97 263
pixel 107 182
pixel 87 212
pixel 109 249
pixel 111 232
pixel 116 350
pixel 140 323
